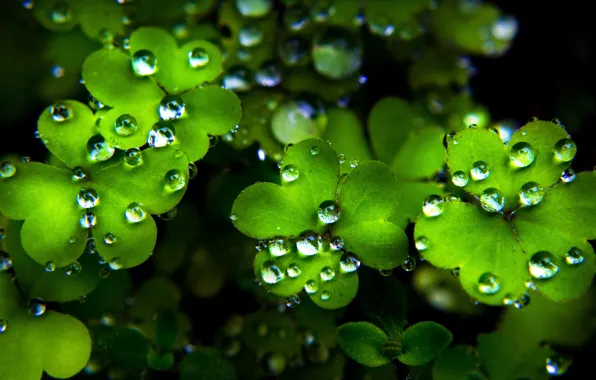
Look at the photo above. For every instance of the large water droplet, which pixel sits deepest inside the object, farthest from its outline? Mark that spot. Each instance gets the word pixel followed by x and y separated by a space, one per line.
pixel 309 243
pixel 327 274
pixel 565 150
pixel 543 265
pixel 60 112
pixel 337 53
pixel 568 175
pixel 557 365
pixel 574 256
pixel 492 200
pixel 268 75
pixel 5 261
pixel 270 272
pixel 349 262
pixel 460 178
pixel 480 170
pixel 171 107
pixel 198 58
pixel 531 193
pixel 328 212
pixel 161 134
pixel 98 149
pixel 7 170
pixel 135 212
pixel 279 246
pixel 133 157
pixel 433 205
pixel 144 63
pixel 174 180
pixel 289 173
pixel 87 198
pixel 311 286
pixel 125 125
pixel 293 270
pixel 88 220
pixel 253 8
pixel 488 283
pixel 73 269
pixel 522 154
pixel 250 35
pixel 37 307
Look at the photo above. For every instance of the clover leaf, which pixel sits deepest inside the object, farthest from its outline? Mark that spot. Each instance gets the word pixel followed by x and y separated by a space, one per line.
pixel 363 342
pixel 319 229
pixel 526 228
pixel 40 340
pixel 60 207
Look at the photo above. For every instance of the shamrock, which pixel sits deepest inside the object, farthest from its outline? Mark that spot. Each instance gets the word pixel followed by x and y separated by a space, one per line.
pixel 319 225
pixel 533 221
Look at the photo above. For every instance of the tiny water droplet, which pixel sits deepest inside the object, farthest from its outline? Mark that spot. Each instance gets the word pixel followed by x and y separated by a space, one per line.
pixel 60 13
pixel 109 238
pixel 290 173
pixel 337 243
pixel 279 246
pixel 488 283
pixel 328 212
pixel 557 365
pixel 451 198
pixel 543 265
pixel 409 264
pixel 7 170
pixel 311 286
pixel 73 269
pixel 133 157
pixel 88 219
pixel 174 180
pixel 198 58
pixel 192 170
pixel 144 63
pixel 522 301
pixel 161 134
pixel 574 256
pixel 87 198
pixel 480 170
pixel 291 302
pixel 565 150
pixel 293 270
pixel 78 173
pixel 233 217
pixel 492 200
pixel 104 272
pixel 341 158
pixel 135 212
pixel 270 272
pixel 568 175
pixel 168 215
pixel 37 307
pixel 5 261
pixel 99 149
pixel 337 53
pixel 349 262
pixel 309 243
pixel 327 274
pixel 72 240
pixel 171 107
pixel 433 206
pixel 125 125
pixel 250 35
pixel 3 325
pixel 325 295
pixel 115 264
pixel 531 193
pixel 386 272
pixel 354 163
pixel 268 75
pixel 315 150
pixel 522 154
pixel 422 243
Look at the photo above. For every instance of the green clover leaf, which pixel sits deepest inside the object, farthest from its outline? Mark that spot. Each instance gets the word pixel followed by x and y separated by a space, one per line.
pixel 31 343
pixel 60 207
pixel 363 342
pixel 313 218
pixel 526 229
pixel 421 343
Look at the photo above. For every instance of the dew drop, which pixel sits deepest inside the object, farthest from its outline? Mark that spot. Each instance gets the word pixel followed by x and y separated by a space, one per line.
pixel 87 198
pixel 109 238
pixel 192 170
pixel 289 173
pixel 337 243
pixel 3 325
pixel 311 286
pixel 309 243
pixel 292 302
pixel 293 270
pixel 488 283
pixel 5 261
pixel 144 63
pixel 88 220
pixel 565 150
pixel 543 265
pixel 50 266
pixel 171 107
pixel 433 206
pixel 161 134
pixel 480 170
pixel 270 272
pixel 422 243
pixel 78 173
pixel 328 212
pixel 451 198
pixel 73 269
pixel 522 301
pixel 60 13
pixel 60 112
pixel 125 125
pixel 460 178
pixel 522 154
pixel 268 75
pixel 135 212
pixel 349 262
pixel 409 264
pixel 574 256
pixel 337 53
pixel 557 365
pixel 198 58
pixel 72 240
pixel 509 299
pixel 327 274
pixel 341 158
pixel 325 295
pixel 315 150
pixel 279 246
pixel 531 194
pixel 98 149
pixel 250 35
pixel 168 215
pixel 492 200
pixel 7 170
pixel 386 272
pixel 174 180
pixel 237 78
pixel 568 175
pixel 115 264
pixel 133 157
pixel 37 307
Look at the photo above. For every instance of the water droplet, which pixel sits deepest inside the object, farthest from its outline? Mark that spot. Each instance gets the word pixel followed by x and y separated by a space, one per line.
pixel 115 264
pixel 174 180
pixel 433 206
pixel 125 125
pixel 311 286
pixel 50 266
pixel 78 173
pixel 88 220
pixel 325 295
pixel 409 264
pixel 253 8
pixel 171 107
pixel 60 112
pixel 161 134
pixel 37 307
pixel 109 238
pixel 289 173
pixel 279 246
pixel 73 269
pixel 522 301
pixel 233 217
pixel 488 283
pixel 451 198
pixel 98 149
pixel 328 212
pixel 291 302
pixel 250 35
pixel 354 163
pixel 309 243
pixel 531 194
pixel 294 51
pixel 557 365
pixel 133 157
pixel 87 198
pixel 3 325
pixel 341 158
pixel 293 270
pixel 296 18
pixel 480 170
pixel 492 200
pixel 381 27
pixel 261 155
pixel 144 63
pixel 422 243
pixel 237 78
pixel 568 175
pixel 574 256
pixel 60 13
pixel 505 28
pixel 198 58
pixel 565 150
pixel 349 262
pixel 135 212
pixel 337 53
pixel 168 215
pixel 7 170
pixel 268 75
pixel 386 272
pixel 315 150
pixel 192 170
pixel 522 154
pixel 327 274
pixel 72 240
pixel 337 243
pixel 5 261
pixel 270 272
pixel 543 265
